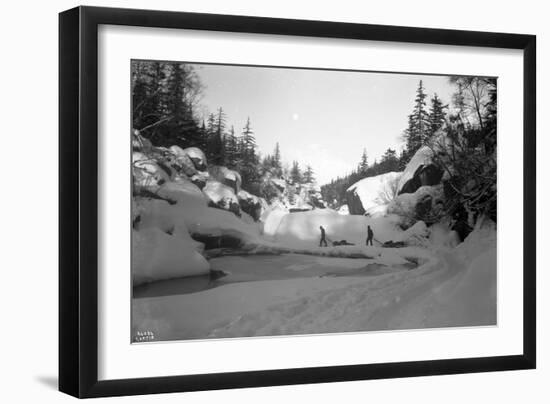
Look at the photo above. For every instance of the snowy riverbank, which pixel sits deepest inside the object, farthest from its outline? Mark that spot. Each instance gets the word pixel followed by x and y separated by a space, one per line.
pixel 450 287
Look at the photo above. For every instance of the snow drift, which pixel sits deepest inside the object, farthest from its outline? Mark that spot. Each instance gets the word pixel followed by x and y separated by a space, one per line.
pixel 372 194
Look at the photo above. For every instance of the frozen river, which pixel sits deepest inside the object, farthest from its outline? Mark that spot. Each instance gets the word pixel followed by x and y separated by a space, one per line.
pixel 255 268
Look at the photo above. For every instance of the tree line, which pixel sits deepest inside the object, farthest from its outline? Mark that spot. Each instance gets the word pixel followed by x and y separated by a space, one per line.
pixel 466 152
pixel 165 103
pixel 423 124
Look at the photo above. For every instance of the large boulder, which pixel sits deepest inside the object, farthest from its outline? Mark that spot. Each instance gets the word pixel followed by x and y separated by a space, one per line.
pixel 251 204
pixel 226 176
pixel 146 172
pixel 420 171
pixel 425 204
pixel 222 197
pixel 192 163
pixel 372 194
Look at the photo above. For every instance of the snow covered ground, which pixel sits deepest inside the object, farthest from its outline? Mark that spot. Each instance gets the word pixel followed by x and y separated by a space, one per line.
pixel 203 266
pixel 302 294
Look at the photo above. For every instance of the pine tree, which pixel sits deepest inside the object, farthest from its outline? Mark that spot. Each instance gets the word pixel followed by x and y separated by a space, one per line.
pixel 249 159
pixel 436 116
pixel 363 164
pixel 295 173
pixel 214 149
pixel 276 161
pixel 231 149
pixel 389 162
pixel 417 131
pixel 308 175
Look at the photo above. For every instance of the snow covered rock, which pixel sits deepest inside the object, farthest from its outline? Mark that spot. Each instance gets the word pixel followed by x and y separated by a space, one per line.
pixel 371 194
pixel 425 204
pixel 420 171
pixel 222 197
pixel 251 204
pixel 140 143
pixel 146 172
pixel 313 195
pixel 228 177
pixel 157 255
pixel 197 157
pixel 343 210
pixel 191 162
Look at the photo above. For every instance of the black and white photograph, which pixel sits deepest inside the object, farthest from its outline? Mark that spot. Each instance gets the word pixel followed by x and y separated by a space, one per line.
pixel 275 201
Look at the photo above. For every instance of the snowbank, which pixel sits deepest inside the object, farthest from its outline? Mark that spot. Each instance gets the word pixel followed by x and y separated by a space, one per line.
pixel 157 255
pixel 302 229
pixel 442 235
pixel 272 219
pixel 371 194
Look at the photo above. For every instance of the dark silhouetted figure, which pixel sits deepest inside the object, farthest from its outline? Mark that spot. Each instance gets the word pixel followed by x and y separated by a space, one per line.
pixel 323 239
pixel 370 235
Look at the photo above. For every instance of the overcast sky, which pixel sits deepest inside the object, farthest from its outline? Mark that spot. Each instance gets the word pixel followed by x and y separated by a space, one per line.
pixel 320 118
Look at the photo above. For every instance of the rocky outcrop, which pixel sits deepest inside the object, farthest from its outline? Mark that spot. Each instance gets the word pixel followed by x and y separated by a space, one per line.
pixel 421 171
pixel 355 207
pixel 425 204
pixel 251 204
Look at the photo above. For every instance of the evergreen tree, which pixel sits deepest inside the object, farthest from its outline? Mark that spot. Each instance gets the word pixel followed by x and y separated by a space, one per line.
pixel 389 162
pixel 308 175
pixel 231 149
pixel 436 116
pixel 363 164
pixel 417 131
pixel 214 149
pixel 249 159
pixel 276 161
pixel 295 173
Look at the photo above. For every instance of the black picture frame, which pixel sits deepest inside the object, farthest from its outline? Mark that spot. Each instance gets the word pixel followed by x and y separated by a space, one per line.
pixel 78 201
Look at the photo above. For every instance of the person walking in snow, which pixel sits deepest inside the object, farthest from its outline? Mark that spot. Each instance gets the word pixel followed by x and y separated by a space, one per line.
pixel 323 237
pixel 370 235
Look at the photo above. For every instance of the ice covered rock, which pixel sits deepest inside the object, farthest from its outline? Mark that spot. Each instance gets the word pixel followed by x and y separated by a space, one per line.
pixel 420 171
pixel 371 193
pixel 221 196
